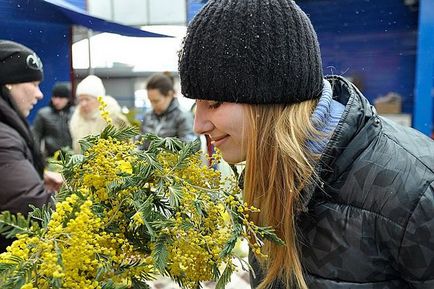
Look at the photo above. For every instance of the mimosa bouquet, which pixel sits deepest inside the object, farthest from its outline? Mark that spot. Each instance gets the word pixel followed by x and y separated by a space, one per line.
pixel 125 216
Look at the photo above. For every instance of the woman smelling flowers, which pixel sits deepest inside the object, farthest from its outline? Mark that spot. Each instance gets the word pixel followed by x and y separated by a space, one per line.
pixel 125 215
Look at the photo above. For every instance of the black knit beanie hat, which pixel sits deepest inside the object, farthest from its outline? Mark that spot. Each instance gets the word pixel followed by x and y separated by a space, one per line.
pixel 61 90
pixel 251 51
pixel 18 63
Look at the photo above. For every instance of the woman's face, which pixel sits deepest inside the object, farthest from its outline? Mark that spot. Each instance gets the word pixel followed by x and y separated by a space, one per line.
pixel 25 95
pixel 159 101
pixel 226 124
pixel 87 103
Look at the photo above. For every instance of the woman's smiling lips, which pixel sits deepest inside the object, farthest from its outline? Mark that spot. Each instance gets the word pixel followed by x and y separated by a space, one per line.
pixel 217 141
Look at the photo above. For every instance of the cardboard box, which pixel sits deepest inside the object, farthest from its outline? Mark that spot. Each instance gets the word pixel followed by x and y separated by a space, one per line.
pixel 402 119
pixel 391 103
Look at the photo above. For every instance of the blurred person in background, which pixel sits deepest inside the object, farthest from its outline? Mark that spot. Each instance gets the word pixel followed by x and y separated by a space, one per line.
pixel 86 119
pixel 51 125
pixel 23 181
pixel 166 119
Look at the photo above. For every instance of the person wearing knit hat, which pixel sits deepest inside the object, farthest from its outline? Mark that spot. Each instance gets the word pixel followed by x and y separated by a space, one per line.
pixel 51 125
pixel 21 72
pixel 349 192
pixel 86 119
pixel 88 91
pixel 22 177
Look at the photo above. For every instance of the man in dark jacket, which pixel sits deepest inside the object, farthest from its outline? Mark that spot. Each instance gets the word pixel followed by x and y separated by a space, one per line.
pixel 51 125
pixel 22 178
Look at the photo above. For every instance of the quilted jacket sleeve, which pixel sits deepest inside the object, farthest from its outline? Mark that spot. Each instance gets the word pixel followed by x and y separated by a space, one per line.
pixel 20 184
pixel 416 257
pixel 185 127
pixel 38 129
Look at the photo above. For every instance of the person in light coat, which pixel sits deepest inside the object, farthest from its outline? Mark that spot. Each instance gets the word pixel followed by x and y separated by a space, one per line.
pixel 86 119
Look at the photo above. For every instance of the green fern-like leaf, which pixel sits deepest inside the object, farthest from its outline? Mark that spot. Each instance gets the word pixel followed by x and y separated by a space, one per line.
pixel 69 163
pixel 172 144
pixel 108 131
pixel 157 143
pixel 186 151
pixel 146 167
pixel 7 268
pixel 139 284
pixel 269 234
pixel 175 194
pixel 88 142
pixel 109 284
pixel 146 276
pixel 104 268
pixel 225 278
pixel 127 265
pixel 198 205
pixel 230 244
pixel 245 265
pixel 42 215
pixel 123 133
pixel 10 265
pixel 11 225
pixel 145 208
pixel 21 275
pixel 63 194
pixel 160 255
pixel 122 184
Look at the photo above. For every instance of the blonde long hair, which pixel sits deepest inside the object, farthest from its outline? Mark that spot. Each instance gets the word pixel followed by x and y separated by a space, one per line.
pixel 278 166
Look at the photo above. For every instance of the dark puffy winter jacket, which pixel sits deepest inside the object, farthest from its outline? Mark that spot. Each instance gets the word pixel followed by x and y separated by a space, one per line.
pixel 172 123
pixel 20 181
pixel 370 222
pixel 52 127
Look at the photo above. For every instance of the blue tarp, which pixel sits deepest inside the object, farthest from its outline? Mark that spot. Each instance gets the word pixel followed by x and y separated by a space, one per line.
pixel 45 26
pixel 80 17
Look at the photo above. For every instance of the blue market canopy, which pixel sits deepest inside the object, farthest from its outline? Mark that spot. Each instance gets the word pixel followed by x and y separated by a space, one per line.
pixel 61 12
pixel 78 16
pixel 45 26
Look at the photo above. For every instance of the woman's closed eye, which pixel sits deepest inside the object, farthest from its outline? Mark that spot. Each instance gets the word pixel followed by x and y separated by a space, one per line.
pixel 214 104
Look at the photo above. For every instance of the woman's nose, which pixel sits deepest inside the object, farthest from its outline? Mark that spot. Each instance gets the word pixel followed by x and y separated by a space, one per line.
pixel 202 123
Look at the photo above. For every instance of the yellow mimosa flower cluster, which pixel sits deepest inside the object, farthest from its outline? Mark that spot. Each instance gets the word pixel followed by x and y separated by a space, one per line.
pixel 125 215
pixel 103 110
